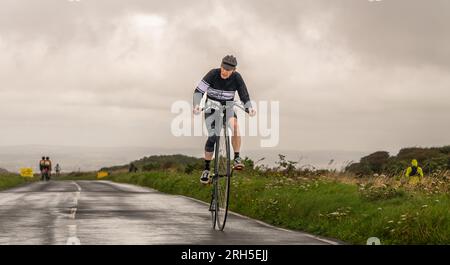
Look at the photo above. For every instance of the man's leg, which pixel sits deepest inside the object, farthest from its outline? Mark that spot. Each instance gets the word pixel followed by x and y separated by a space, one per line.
pixel 236 143
pixel 209 152
pixel 236 137
pixel 211 141
pixel 208 158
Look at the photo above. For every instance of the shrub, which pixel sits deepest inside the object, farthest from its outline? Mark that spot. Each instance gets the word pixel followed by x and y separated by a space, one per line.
pixel 189 169
pixel 151 167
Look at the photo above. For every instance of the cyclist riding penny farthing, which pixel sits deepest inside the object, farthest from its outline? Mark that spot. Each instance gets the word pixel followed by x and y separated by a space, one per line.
pixel 220 86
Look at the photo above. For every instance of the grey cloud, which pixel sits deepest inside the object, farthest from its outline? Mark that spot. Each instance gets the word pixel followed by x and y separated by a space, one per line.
pixel 395 31
pixel 331 64
pixel 401 32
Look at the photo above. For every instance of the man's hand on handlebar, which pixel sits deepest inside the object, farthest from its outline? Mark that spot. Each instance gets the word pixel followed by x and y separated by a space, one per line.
pixel 252 112
pixel 197 110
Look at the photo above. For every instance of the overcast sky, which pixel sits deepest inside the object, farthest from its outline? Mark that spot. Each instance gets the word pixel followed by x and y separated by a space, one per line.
pixel 349 75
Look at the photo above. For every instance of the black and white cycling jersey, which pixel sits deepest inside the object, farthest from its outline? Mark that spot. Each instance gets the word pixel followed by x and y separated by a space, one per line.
pixel 222 90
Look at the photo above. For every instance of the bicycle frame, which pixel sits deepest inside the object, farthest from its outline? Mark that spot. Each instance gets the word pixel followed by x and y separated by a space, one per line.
pixel 45 174
pixel 214 207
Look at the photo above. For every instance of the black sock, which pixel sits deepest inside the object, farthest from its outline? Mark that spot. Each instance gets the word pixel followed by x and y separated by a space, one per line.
pixel 207 164
pixel 236 155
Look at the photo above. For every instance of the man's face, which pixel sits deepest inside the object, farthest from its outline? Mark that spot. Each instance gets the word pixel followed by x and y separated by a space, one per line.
pixel 225 74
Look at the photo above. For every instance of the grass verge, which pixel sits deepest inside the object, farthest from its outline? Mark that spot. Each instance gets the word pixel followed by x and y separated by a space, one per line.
pixel 8 181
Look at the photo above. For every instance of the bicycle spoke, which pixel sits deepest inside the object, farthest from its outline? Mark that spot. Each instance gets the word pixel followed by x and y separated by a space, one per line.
pixel 222 180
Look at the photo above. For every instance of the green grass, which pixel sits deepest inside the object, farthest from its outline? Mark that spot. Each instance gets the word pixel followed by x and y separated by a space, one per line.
pixel 322 207
pixel 11 180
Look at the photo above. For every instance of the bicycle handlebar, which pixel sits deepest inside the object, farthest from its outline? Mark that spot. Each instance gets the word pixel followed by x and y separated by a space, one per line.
pixel 235 104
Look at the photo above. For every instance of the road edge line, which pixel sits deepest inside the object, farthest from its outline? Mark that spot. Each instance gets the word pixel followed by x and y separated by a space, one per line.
pixel 269 225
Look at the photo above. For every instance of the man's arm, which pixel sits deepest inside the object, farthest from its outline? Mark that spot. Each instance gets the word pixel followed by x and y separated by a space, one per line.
pixel 202 88
pixel 198 95
pixel 243 92
pixel 244 96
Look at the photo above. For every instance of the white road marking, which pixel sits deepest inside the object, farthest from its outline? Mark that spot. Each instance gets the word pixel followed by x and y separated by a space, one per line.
pixel 78 186
pixel 73 210
pixel 73 239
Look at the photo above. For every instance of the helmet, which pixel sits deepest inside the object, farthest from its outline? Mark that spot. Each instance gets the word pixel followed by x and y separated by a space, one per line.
pixel 229 62
pixel 414 163
pixel 48 158
pixel 43 158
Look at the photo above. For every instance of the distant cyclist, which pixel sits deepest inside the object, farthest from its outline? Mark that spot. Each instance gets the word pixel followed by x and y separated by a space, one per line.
pixel 57 170
pixel 48 166
pixel 220 85
pixel 42 165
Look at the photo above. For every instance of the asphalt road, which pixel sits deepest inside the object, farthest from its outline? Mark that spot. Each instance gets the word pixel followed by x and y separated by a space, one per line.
pixel 101 212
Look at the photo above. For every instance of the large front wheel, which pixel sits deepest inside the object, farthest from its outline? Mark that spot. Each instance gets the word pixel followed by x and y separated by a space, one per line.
pixel 222 177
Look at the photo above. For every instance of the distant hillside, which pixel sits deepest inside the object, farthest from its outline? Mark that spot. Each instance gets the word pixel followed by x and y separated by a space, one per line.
pixel 432 160
pixel 3 171
pixel 85 159
pixel 176 162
